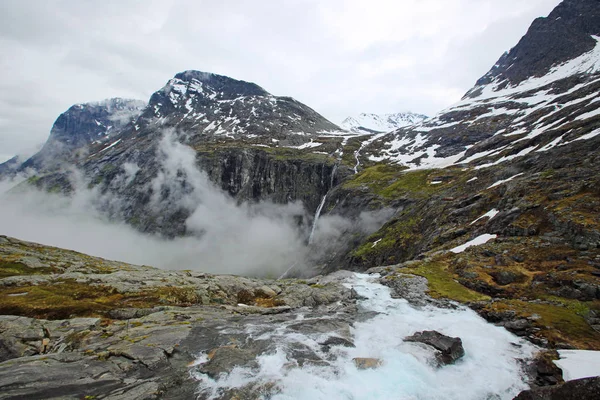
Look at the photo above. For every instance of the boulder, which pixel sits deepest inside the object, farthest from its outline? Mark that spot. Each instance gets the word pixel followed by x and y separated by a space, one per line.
pixel 579 389
pixel 450 349
pixel 367 363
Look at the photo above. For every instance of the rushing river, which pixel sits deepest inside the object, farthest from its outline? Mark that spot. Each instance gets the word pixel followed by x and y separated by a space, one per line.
pixel 489 370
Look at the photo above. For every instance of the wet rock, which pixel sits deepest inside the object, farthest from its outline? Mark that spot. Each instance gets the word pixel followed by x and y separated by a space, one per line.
pixel 367 363
pixel 519 327
pixel 323 325
pixel 579 389
pixel 451 349
pixel 410 287
pixel 542 370
pixel 224 359
pixel 336 341
pixel 304 355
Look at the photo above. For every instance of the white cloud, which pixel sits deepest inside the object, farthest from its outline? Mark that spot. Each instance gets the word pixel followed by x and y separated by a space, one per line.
pixel 340 57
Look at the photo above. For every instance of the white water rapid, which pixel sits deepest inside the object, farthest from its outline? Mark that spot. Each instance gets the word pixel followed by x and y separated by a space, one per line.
pixel 489 369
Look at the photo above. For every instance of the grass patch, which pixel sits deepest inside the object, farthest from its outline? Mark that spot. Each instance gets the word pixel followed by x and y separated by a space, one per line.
pixel 442 283
pixel 393 181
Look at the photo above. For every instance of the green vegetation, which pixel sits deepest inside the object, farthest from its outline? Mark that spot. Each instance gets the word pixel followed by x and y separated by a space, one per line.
pixel 68 298
pixel 393 182
pixel 442 283
pixel 9 267
pixel 398 234
pixel 558 324
pixel 33 180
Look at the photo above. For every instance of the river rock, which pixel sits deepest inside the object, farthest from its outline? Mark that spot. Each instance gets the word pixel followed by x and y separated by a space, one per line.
pixel 451 349
pixel 579 389
pixel 367 363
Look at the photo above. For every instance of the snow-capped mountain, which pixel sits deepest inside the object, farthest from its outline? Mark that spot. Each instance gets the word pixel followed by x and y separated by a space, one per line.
pixel 378 123
pixel 542 94
pixel 81 126
pixel 209 105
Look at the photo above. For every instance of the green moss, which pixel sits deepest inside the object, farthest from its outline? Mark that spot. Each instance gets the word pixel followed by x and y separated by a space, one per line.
pixel 108 168
pixel 15 268
pixel 393 181
pixel 283 153
pixel 442 283
pixel 33 180
pixel 68 298
pixel 398 234
pixel 351 147
pixel 558 324
pixel 547 174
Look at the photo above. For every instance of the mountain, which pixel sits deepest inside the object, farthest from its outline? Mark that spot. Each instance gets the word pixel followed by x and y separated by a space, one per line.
pixel 251 144
pixel 542 94
pixel 378 123
pixel 491 204
pixel 81 126
pixel 210 106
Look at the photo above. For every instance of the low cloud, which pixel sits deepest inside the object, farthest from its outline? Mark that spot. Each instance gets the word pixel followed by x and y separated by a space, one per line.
pixel 262 239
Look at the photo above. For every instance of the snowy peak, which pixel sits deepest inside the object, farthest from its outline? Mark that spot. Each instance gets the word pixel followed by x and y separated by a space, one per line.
pixel 202 105
pixel 540 97
pixel 225 86
pixel 567 33
pixel 378 123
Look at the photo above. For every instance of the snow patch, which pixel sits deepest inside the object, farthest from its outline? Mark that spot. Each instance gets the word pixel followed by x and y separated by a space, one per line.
pixel 577 364
pixel 479 240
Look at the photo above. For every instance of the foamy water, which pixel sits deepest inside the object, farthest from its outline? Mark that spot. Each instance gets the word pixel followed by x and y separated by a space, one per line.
pixel 489 367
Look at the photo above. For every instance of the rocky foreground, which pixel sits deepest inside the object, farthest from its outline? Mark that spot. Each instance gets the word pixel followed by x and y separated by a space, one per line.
pixel 76 326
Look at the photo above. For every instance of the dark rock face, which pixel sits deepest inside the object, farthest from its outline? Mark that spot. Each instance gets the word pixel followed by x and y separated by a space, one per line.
pixel 563 35
pixel 579 389
pixel 450 348
pixel 80 126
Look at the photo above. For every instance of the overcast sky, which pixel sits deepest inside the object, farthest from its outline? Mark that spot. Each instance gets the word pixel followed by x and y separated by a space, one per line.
pixel 340 57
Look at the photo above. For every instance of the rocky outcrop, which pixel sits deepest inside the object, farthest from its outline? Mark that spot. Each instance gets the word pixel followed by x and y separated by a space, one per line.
pixel 579 389
pixel 122 331
pixel 450 349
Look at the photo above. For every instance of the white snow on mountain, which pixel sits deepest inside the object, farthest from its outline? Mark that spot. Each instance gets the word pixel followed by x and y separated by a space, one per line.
pixel 544 112
pixel 374 123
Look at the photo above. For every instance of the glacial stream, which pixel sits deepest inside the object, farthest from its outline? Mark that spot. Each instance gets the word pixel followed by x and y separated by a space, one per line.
pixel 489 370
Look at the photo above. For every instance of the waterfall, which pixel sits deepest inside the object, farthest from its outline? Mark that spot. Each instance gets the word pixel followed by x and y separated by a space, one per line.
pixel 317 215
pixel 287 271
pixel 320 208
pixel 316 219
pixel 333 172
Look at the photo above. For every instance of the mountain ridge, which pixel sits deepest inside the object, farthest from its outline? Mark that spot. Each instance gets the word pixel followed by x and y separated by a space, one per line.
pixel 379 123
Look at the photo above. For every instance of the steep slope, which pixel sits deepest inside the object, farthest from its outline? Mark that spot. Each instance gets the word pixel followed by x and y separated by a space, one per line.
pixel 541 94
pixel 81 126
pixel 378 123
